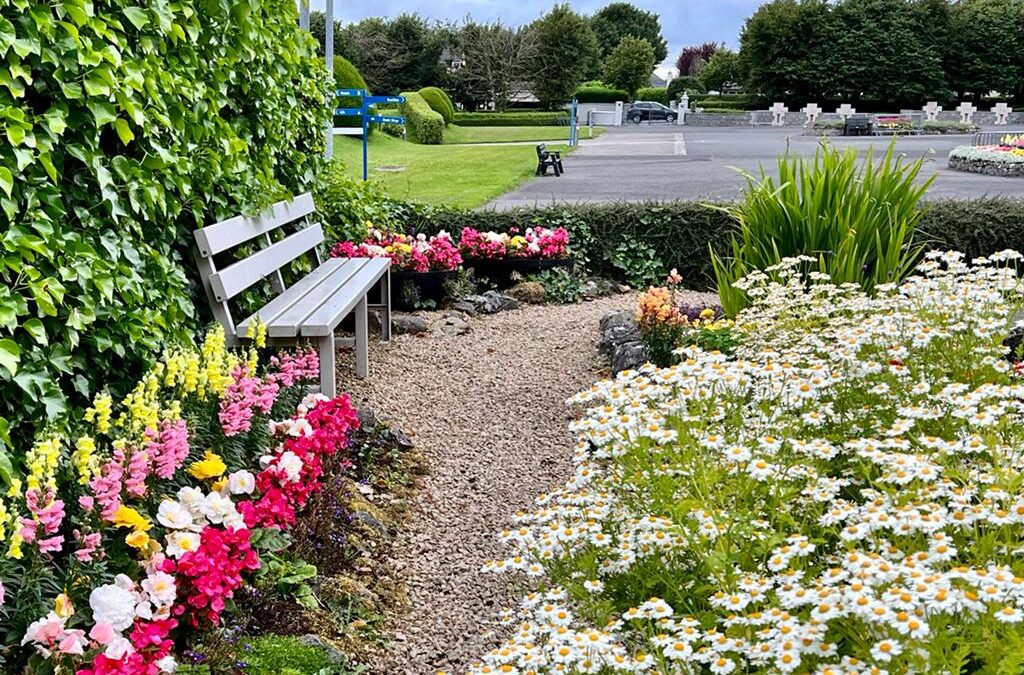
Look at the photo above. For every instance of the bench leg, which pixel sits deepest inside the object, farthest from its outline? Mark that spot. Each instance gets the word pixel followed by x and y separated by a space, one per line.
pixel 327 372
pixel 385 312
pixel 362 341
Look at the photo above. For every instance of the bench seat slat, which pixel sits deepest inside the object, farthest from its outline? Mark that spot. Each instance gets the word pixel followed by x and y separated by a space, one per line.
pixel 316 281
pixel 240 275
pixel 327 317
pixel 229 233
pixel 289 322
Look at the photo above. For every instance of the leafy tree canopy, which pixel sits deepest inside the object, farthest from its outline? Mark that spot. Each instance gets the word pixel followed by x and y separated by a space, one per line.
pixel 621 19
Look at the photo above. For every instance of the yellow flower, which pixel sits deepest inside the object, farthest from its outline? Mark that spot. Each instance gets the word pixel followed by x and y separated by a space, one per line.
pixel 137 539
pixel 42 464
pixel 220 484
pixel 210 466
pixel 99 413
pixel 126 516
pixel 15 490
pixel 14 550
pixel 62 606
pixel 84 459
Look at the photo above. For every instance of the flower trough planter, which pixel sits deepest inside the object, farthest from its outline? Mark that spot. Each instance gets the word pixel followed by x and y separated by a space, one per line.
pixel 499 271
pixel 428 285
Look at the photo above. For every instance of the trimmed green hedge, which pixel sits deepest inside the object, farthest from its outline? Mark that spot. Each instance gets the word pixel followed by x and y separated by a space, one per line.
pixel 659 94
pixel 729 101
pixel 439 102
pixel 679 233
pixel 128 126
pixel 511 119
pixel 600 93
pixel 685 83
pixel 425 126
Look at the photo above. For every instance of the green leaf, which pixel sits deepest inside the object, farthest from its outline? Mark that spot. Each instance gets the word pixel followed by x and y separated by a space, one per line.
pixel 124 131
pixel 6 180
pixel 137 15
pixel 102 112
pixel 36 330
pixel 10 356
pixel 7 35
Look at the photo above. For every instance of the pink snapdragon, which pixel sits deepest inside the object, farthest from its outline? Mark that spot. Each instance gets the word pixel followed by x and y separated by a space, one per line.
pixel 137 473
pixel 106 485
pixel 43 527
pixel 292 368
pixel 87 545
pixel 168 448
pixel 243 397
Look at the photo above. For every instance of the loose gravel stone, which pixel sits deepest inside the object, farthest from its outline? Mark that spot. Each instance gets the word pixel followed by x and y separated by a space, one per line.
pixel 488 411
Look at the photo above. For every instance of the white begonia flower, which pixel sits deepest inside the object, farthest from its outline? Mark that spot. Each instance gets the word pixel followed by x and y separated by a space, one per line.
pixel 174 515
pixel 241 482
pixel 167 664
pixel 161 588
pixel 291 464
pixel 216 507
pixel 118 648
pixel 114 605
pixel 180 543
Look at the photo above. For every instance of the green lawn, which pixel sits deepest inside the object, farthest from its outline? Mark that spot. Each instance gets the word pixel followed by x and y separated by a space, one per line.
pixel 456 134
pixel 463 176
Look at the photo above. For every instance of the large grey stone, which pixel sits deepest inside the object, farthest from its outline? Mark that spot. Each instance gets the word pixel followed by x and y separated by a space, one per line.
pixel 621 341
pixel 410 324
pixel 628 356
pixel 492 302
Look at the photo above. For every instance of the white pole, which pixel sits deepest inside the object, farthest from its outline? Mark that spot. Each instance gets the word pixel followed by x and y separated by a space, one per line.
pixel 304 14
pixel 329 60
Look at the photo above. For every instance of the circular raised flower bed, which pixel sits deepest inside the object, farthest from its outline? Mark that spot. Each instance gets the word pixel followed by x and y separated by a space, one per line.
pixel 499 271
pixel 1005 159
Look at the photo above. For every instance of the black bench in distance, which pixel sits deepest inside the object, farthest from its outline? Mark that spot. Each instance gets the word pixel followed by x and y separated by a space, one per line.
pixel 857 125
pixel 546 158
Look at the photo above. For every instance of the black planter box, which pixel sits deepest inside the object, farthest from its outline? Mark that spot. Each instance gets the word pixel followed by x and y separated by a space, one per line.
pixel 430 286
pixel 499 270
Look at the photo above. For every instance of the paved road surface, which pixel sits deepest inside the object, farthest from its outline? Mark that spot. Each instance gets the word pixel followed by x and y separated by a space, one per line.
pixel 663 162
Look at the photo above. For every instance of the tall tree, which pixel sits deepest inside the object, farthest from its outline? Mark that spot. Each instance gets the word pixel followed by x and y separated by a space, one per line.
pixel 565 49
pixel 494 60
pixel 986 47
pixel 318 28
pixel 692 58
pixel 621 19
pixel 784 47
pixel 721 69
pixel 630 65
pixel 883 53
pixel 395 55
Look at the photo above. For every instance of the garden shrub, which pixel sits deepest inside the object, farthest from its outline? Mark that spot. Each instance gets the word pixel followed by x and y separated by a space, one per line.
pixel 658 94
pixel 346 76
pixel 950 127
pixel 598 92
pixel 126 128
pixel 439 102
pixel 855 218
pixel 348 207
pixel 686 83
pixel 512 119
pixel 423 124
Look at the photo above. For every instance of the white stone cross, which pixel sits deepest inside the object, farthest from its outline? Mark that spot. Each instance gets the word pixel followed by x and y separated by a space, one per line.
pixel 845 110
pixel 811 110
pixel 932 111
pixel 966 111
pixel 1002 112
pixel 778 112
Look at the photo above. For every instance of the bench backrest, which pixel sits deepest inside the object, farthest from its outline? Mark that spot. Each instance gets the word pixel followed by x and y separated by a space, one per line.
pixel 222 285
pixel 542 151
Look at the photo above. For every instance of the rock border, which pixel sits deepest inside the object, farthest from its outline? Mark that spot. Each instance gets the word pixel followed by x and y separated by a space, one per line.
pixel 982 166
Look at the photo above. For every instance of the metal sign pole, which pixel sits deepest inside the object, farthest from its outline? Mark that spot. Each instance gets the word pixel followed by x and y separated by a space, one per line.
pixel 366 135
pixel 329 61
pixel 365 102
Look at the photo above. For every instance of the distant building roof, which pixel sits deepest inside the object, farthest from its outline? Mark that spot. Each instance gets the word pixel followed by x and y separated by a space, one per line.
pixel 658 81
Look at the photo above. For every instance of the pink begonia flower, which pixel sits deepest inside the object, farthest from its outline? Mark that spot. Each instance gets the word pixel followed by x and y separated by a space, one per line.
pixel 103 633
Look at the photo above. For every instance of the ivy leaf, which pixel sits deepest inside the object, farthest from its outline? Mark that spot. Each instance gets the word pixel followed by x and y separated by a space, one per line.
pixel 10 355
pixel 124 131
pixel 6 180
pixel 36 330
pixel 137 15
pixel 7 35
pixel 102 112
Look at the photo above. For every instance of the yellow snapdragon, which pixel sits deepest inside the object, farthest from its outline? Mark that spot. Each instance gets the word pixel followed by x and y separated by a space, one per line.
pixel 99 413
pixel 3 521
pixel 258 334
pixel 14 545
pixel 42 464
pixel 216 361
pixel 84 459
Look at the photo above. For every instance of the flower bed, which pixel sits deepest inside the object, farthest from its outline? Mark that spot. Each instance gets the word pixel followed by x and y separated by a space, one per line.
pixel 842 496
pixel 407 253
pixel 534 243
pixel 122 541
pixel 1004 159
pixel 667 323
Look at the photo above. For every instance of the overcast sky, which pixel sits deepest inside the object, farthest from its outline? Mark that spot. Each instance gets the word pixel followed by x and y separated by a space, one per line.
pixel 683 22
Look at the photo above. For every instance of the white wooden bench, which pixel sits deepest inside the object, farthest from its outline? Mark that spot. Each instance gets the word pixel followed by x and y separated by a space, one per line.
pixel 309 309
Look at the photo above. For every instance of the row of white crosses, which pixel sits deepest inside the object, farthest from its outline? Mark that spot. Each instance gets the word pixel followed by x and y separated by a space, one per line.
pixel 812 111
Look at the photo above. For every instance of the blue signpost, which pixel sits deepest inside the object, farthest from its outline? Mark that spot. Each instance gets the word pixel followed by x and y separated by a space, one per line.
pixel 574 133
pixel 364 111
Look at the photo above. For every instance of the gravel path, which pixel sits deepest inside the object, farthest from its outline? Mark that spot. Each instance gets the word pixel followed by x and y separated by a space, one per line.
pixel 487 410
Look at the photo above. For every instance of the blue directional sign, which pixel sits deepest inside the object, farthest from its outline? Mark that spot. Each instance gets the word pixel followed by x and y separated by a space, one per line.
pixel 387 119
pixel 374 100
pixel 366 101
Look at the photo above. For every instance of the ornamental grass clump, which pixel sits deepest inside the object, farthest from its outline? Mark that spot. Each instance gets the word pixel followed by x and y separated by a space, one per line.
pixel 855 219
pixel 842 496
